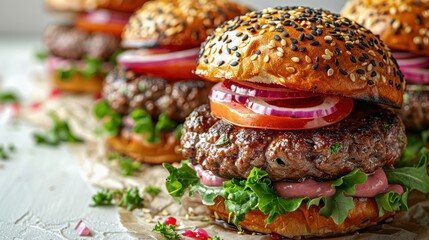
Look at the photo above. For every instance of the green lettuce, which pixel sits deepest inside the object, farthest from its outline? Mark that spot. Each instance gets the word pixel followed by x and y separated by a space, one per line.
pixel 112 121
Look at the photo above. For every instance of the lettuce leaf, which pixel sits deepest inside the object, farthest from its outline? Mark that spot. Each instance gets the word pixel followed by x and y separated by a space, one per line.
pixel 112 121
pixel 415 177
pixel 180 179
pixel 391 201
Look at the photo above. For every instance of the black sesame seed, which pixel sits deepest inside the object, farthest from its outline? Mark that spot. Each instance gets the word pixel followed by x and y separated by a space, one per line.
pixel 206 61
pixel 285 34
pixel 360 71
pixel 373 74
pixel 381 64
pixel 293 40
pixel 309 36
pixel 370 82
pixel 314 43
pixel 229 41
pixel 398 87
pixel 361 59
pixel 373 63
pixel 315 66
pixel 245 37
pixel 220 63
pixel 299 29
pixel 365 55
pixel 237 54
pixel 234 48
pixel 342 71
pixel 390 82
pixel 277 37
pixel 317 58
pixel 293 47
pixel 238 34
pixel 234 63
pixel 302 49
pixel 327 67
pixel 258 52
pixel 301 36
pixel 336 62
pixel 353 59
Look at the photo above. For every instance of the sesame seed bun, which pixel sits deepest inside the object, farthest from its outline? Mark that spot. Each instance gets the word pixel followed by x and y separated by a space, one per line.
pixel 307 222
pixel 88 5
pixel 402 25
pixel 135 146
pixel 77 83
pixel 305 49
pixel 184 23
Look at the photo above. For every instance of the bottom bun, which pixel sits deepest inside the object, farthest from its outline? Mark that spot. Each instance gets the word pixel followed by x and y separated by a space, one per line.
pixel 307 222
pixel 78 84
pixel 139 149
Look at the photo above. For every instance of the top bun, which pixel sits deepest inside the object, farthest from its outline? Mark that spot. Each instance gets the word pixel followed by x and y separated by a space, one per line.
pixel 89 5
pixel 182 23
pixel 305 49
pixel 402 24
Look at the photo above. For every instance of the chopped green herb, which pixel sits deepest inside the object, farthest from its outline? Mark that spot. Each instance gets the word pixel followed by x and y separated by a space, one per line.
pixel 40 55
pixel 178 131
pixel 113 57
pixel 58 133
pixel 6 151
pixel 223 140
pixel 335 148
pixel 143 124
pixel 128 166
pixel 102 198
pixel 8 97
pixel 131 199
pixel 167 231
pixel 112 121
pixel 215 238
pixel 152 190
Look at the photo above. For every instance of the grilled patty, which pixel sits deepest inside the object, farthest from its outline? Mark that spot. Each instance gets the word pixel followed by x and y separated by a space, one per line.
pixel 125 91
pixel 415 110
pixel 71 43
pixel 369 138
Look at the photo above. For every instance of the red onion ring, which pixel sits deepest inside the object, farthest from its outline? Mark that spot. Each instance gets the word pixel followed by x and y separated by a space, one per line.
pixel 327 107
pixel 54 63
pixel 416 75
pixel 417 62
pixel 265 91
pixel 105 16
pixel 403 55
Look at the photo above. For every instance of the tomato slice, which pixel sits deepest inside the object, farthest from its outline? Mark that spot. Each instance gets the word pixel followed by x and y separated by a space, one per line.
pixel 102 21
pixel 178 70
pixel 240 115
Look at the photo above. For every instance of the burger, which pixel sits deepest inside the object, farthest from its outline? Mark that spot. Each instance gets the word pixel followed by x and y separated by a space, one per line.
pixel 153 90
pixel 299 138
pixel 403 26
pixel 80 54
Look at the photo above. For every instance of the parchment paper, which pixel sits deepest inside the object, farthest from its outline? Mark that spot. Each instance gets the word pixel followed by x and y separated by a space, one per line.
pixel 98 171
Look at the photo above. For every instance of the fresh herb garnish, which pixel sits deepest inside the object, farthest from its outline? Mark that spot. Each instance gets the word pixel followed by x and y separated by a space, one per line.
pixel 131 199
pixel 335 148
pixel 167 231
pixel 391 201
pixel 6 151
pixel 129 166
pixel 59 132
pixel 223 140
pixel 8 97
pixel 92 67
pixel 112 121
pixel 178 131
pixel 40 55
pixel 152 190
pixel 103 198
pixel 114 56
pixel 66 73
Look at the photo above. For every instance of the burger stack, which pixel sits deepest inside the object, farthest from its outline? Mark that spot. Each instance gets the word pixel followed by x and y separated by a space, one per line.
pixel 151 92
pixel 404 27
pixel 299 137
pixel 82 52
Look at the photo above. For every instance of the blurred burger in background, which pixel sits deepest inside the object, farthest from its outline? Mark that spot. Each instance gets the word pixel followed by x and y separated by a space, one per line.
pixel 299 138
pixel 153 90
pixel 404 27
pixel 81 53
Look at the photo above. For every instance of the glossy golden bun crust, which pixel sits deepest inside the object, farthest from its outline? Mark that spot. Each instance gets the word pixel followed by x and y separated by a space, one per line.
pixel 305 49
pixel 88 5
pixel 307 222
pixel 184 23
pixel 77 83
pixel 139 149
pixel 402 24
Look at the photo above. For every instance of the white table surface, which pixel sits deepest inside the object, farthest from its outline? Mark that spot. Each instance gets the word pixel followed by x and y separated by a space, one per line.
pixel 42 194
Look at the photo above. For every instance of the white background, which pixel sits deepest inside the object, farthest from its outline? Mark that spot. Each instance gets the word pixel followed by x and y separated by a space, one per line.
pixel 28 17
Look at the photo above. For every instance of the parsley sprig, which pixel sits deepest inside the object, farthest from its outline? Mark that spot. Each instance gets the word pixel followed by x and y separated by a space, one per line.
pixel 129 198
pixel 167 231
pixel 5 151
pixel 58 132
pixel 127 165
pixel 8 97
pixel 112 121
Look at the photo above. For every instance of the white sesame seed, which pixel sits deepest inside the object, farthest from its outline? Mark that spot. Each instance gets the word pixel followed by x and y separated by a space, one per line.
pixel 290 69
pixel 280 50
pixel 328 38
pixel 352 77
pixel 266 58
pixel 330 72
pixel 369 68
pixel 326 57
pixel 295 59
pixel 283 42
pixel 271 29
pixel 279 54
pixel 307 59
pixel 262 32
pixel 372 53
pixel 254 57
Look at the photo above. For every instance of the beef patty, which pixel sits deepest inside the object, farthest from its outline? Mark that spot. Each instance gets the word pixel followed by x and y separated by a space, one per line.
pixel 369 138
pixel 71 43
pixel 415 110
pixel 125 91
